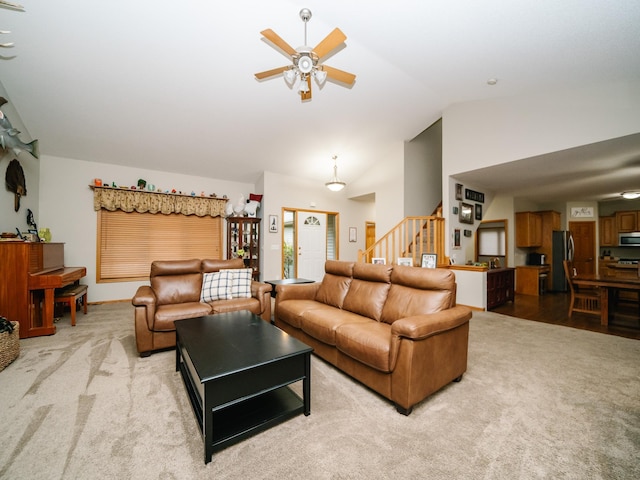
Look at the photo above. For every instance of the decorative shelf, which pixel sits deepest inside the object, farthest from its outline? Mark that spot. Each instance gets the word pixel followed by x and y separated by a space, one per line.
pixel 142 201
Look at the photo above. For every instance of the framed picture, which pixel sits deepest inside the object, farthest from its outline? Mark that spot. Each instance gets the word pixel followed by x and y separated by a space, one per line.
pixel 458 191
pixel 456 238
pixel 473 195
pixel 379 261
pixel 429 260
pixel 466 213
pixel 273 223
pixel 406 261
pixel 455 210
pixel 478 211
pixel 353 234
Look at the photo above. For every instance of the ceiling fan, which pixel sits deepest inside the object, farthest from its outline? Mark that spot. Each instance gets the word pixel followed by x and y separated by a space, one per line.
pixel 307 61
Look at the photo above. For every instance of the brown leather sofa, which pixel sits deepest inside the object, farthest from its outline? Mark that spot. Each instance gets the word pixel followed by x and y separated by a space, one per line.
pixel 396 329
pixel 174 294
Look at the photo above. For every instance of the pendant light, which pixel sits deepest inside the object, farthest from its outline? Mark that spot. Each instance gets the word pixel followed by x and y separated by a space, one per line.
pixel 335 184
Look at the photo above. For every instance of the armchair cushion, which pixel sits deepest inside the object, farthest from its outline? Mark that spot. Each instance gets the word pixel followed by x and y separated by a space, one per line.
pixel 216 286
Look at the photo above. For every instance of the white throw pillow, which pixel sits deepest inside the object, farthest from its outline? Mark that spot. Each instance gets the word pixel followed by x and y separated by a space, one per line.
pixel 216 286
pixel 241 283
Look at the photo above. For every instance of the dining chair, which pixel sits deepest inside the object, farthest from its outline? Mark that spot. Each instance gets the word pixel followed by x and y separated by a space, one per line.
pixel 582 300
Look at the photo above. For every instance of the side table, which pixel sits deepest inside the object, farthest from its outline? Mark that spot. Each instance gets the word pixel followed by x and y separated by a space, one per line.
pixel 286 281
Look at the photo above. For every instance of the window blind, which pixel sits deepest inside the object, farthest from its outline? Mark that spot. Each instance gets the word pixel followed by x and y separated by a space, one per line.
pixel 129 242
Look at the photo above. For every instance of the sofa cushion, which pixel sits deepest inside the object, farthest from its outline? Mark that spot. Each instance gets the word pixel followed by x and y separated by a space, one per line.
pixel 321 322
pixel 291 311
pixel 223 306
pixel 335 283
pixel 176 281
pixel 368 343
pixel 215 265
pixel 216 286
pixel 241 282
pixel 416 291
pixel 167 314
pixel 368 290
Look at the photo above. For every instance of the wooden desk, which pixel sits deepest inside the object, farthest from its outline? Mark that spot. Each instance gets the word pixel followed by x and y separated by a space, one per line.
pixel 606 284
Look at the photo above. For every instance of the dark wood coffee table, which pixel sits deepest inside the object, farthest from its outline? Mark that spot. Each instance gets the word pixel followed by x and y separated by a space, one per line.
pixel 236 369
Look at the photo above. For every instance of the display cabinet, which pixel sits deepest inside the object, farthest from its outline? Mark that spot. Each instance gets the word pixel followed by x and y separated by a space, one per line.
pixel 243 241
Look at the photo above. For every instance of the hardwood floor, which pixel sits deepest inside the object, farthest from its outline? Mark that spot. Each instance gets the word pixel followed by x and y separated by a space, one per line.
pixel 553 307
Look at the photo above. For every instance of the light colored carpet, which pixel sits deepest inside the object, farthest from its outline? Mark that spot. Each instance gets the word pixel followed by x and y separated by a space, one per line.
pixel 537 401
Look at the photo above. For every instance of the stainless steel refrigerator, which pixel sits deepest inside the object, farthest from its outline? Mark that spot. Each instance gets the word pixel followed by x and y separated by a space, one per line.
pixel 562 248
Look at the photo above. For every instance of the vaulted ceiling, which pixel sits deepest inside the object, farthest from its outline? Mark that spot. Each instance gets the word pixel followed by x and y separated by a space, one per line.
pixel 170 85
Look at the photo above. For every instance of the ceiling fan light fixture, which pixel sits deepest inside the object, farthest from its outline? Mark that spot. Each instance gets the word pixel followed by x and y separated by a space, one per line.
pixel 320 76
pixel 630 195
pixel 335 184
pixel 305 63
pixel 304 86
pixel 290 76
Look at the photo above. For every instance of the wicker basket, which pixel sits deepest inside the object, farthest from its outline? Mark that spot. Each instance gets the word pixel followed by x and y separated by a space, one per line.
pixel 9 346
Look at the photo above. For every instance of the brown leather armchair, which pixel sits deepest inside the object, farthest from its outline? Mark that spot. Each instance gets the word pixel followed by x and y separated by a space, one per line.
pixel 174 294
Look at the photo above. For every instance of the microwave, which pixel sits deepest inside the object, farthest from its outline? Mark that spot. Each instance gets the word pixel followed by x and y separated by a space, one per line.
pixel 536 258
pixel 629 239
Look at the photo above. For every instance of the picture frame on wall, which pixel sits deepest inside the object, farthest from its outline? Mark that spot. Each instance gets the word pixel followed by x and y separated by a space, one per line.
pixel 353 234
pixel 273 224
pixel 459 191
pixel 379 261
pixel 478 211
pixel 466 213
pixel 429 260
pixel 406 261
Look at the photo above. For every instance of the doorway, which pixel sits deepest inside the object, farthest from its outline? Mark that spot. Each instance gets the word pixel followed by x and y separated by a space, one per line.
pixel 309 238
pixel 369 238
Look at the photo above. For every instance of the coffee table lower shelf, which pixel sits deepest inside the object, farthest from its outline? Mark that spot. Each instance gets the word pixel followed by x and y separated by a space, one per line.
pixel 242 419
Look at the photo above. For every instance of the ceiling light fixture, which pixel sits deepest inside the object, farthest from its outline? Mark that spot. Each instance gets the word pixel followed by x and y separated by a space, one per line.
pixel 335 184
pixel 305 63
pixel 630 195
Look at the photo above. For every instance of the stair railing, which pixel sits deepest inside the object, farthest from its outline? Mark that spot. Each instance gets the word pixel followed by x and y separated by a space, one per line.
pixel 410 238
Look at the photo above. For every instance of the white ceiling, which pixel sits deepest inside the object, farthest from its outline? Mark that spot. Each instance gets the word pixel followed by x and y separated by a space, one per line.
pixel 169 85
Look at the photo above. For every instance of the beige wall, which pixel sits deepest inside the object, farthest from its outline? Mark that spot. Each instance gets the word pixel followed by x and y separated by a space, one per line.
pixel 291 192
pixel 67 209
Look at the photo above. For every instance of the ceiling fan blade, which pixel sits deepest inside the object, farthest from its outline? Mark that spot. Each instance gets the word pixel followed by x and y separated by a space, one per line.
pixel 304 96
pixel 339 75
pixel 271 73
pixel 274 38
pixel 330 42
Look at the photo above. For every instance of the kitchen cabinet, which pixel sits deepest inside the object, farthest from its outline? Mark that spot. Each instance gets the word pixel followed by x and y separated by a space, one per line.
pixel 528 278
pixel 243 241
pixel 528 229
pixel 500 286
pixel 608 232
pixel 628 221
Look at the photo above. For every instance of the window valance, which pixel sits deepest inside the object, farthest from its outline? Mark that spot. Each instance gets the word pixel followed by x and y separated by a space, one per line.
pixel 141 201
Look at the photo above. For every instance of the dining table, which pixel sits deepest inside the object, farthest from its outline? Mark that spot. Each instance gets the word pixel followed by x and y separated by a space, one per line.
pixel 605 285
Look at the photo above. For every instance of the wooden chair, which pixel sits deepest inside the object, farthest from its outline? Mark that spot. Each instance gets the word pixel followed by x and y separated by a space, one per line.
pixel 70 295
pixel 582 300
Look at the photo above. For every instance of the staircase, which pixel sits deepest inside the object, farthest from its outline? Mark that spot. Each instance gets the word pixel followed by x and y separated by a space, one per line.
pixel 410 238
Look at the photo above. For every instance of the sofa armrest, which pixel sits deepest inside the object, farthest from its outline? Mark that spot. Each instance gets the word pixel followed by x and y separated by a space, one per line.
pixel 262 291
pixel 145 298
pixel 419 327
pixel 298 291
